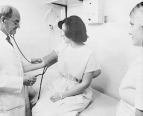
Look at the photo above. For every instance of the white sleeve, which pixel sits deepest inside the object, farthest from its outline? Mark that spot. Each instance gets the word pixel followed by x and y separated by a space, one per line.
pixel 93 64
pixel 10 84
pixel 139 90
pixel 9 80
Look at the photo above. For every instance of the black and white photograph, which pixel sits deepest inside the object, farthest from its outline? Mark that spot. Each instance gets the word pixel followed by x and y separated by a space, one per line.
pixel 71 57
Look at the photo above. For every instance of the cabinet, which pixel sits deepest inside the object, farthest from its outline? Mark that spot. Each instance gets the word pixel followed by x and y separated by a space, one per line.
pixel 93 11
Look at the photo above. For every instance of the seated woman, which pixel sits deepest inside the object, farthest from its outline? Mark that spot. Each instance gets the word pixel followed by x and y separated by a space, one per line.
pixel 70 92
pixel 131 88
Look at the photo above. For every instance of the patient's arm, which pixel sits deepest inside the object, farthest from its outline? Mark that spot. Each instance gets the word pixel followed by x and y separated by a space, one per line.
pixel 32 67
pixel 36 60
pixel 47 61
pixel 78 89
pixel 86 81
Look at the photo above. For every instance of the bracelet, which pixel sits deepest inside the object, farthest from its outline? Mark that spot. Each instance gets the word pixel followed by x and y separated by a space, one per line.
pixel 61 95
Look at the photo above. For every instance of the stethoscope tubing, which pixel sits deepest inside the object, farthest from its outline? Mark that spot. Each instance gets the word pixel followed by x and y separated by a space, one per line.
pixel 44 70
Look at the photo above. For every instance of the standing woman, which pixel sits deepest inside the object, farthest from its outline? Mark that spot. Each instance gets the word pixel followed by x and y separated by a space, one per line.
pixel 70 93
pixel 131 88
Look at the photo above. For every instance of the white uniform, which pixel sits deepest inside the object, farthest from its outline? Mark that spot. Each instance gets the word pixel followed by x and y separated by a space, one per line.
pixel 72 64
pixel 12 92
pixel 132 88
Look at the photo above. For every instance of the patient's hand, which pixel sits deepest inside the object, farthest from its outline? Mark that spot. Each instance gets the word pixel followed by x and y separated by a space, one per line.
pixel 56 97
pixel 36 60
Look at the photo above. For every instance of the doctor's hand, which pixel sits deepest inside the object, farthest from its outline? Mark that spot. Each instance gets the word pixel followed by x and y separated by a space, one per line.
pixel 29 80
pixel 56 97
pixel 36 60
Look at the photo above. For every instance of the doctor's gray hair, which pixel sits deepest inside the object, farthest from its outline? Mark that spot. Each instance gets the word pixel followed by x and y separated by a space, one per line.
pixel 137 13
pixel 6 11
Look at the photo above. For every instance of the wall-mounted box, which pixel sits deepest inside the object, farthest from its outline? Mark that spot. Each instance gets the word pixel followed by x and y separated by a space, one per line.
pixel 93 11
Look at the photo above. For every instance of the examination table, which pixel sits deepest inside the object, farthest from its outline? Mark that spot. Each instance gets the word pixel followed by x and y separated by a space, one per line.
pixel 101 105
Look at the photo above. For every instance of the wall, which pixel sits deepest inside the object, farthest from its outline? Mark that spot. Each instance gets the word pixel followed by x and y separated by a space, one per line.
pixel 112 44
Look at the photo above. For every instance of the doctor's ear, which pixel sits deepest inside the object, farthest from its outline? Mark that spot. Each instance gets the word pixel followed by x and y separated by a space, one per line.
pixel 3 19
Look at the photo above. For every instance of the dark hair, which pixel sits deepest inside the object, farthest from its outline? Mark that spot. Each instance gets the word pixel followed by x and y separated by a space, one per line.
pixel 75 29
pixel 6 11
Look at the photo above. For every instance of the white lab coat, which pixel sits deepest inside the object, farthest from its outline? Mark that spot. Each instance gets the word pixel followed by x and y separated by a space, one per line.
pixel 13 95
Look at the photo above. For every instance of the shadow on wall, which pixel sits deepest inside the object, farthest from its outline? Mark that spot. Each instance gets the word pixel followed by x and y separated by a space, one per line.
pixel 104 81
pixel 113 68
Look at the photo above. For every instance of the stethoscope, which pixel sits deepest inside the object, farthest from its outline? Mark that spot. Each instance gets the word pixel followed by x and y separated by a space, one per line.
pixel 44 70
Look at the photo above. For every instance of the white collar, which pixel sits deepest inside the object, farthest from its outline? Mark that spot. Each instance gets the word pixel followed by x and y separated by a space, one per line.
pixel 3 35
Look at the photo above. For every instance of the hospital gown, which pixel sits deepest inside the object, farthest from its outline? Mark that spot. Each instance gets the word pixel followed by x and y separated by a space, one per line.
pixel 72 64
pixel 131 88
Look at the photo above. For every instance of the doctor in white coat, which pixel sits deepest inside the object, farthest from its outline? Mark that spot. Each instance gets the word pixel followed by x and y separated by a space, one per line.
pixel 14 84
